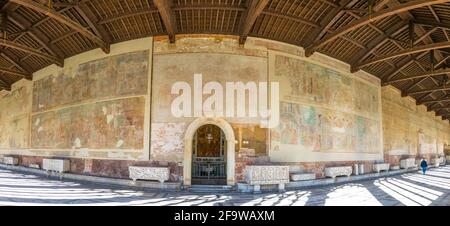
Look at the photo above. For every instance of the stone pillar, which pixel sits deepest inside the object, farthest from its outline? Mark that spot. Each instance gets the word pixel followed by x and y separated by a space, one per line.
pixel 281 187
pixel 361 169
pixel 356 169
pixel 256 188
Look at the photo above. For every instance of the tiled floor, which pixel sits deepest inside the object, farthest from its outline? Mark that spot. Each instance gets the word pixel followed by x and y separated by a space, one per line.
pixel 412 189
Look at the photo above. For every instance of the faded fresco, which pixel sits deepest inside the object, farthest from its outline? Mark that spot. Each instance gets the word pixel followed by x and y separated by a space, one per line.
pixel 171 68
pixel 310 128
pixel 323 110
pixel 116 124
pixel 14 119
pixel 409 129
pixel 167 141
pixel 110 77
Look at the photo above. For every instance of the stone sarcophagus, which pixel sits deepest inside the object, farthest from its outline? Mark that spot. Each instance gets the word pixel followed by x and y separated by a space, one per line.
pixel 160 174
pixel 408 163
pixel 302 176
pixel 333 172
pixel 265 175
pixel 436 162
pixel 10 161
pixel 378 167
pixel 56 165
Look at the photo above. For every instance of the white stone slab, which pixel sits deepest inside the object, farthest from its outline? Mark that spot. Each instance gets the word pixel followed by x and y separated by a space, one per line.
pixel 56 165
pixel 408 163
pixel 302 176
pixel 11 161
pixel 266 174
pixel 34 166
pixel 395 167
pixel 378 167
pixel 160 174
pixel 333 172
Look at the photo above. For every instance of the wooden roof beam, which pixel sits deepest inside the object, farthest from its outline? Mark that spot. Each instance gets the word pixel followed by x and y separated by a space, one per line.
pixel 93 22
pixel 421 75
pixel 5 53
pixel 330 19
pixel 435 89
pixel 433 101
pixel 36 34
pixel 4 84
pixel 15 73
pixel 380 40
pixel 417 49
pixel 64 20
pixel 27 49
pixel 254 10
pixel 369 19
pixel 168 17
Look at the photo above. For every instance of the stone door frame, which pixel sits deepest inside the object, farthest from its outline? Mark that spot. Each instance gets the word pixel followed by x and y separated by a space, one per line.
pixel 188 142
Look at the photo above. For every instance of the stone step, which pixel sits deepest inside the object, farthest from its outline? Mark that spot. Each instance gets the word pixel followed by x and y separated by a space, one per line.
pixel 210 188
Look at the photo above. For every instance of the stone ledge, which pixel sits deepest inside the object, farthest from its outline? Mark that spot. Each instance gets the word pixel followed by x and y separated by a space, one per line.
pixel 171 186
pixel 295 185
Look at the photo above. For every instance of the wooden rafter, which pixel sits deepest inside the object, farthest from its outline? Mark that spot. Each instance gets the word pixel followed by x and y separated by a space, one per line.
pixel 431 90
pixel 168 17
pixel 4 85
pixel 381 40
pixel 417 49
pixel 421 75
pixel 5 53
pixel 64 20
pixel 92 21
pixel 330 19
pixel 27 49
pixel 36 34
pixel 369 19
pixel 15 73
pixel 433 101
pixel 254 10
pixel 432 24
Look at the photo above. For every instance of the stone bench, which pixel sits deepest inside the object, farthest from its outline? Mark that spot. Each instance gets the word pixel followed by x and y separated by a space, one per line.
pixel 160 174
pixel 266 175
pixel 11 161
pixel 378 167
pixel 333 172
pixel 408 163
pixel 395 167
pixel 302 176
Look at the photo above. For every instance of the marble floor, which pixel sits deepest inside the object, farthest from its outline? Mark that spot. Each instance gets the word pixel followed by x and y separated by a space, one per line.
pixel 411 189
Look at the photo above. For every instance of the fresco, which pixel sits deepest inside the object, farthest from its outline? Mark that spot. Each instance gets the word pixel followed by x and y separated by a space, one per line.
pixel 14 118
pixel 310 83
pixel 314 129
pixel 323 110
pixel 116 124
pixel 115 76
pixel 211 66
pixel 167 141
pixel 410 129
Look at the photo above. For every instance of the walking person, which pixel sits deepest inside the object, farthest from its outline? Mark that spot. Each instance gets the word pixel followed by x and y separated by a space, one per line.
pixel 424 165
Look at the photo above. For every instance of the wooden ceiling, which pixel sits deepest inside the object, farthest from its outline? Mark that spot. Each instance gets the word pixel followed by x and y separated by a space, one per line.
pixel 406 43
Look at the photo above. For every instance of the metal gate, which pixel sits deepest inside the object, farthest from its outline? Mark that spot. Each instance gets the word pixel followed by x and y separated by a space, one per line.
pixel 208 168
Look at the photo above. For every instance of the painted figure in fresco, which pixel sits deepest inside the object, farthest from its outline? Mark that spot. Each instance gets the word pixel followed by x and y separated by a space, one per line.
pixel 424 165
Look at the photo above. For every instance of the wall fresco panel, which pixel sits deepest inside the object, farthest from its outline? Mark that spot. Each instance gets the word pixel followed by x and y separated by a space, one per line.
pixel 116 124
pixel 110 77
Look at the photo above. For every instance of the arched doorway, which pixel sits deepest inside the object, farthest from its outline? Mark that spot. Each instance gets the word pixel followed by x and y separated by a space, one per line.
pixel 209 156
pixel 224 134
